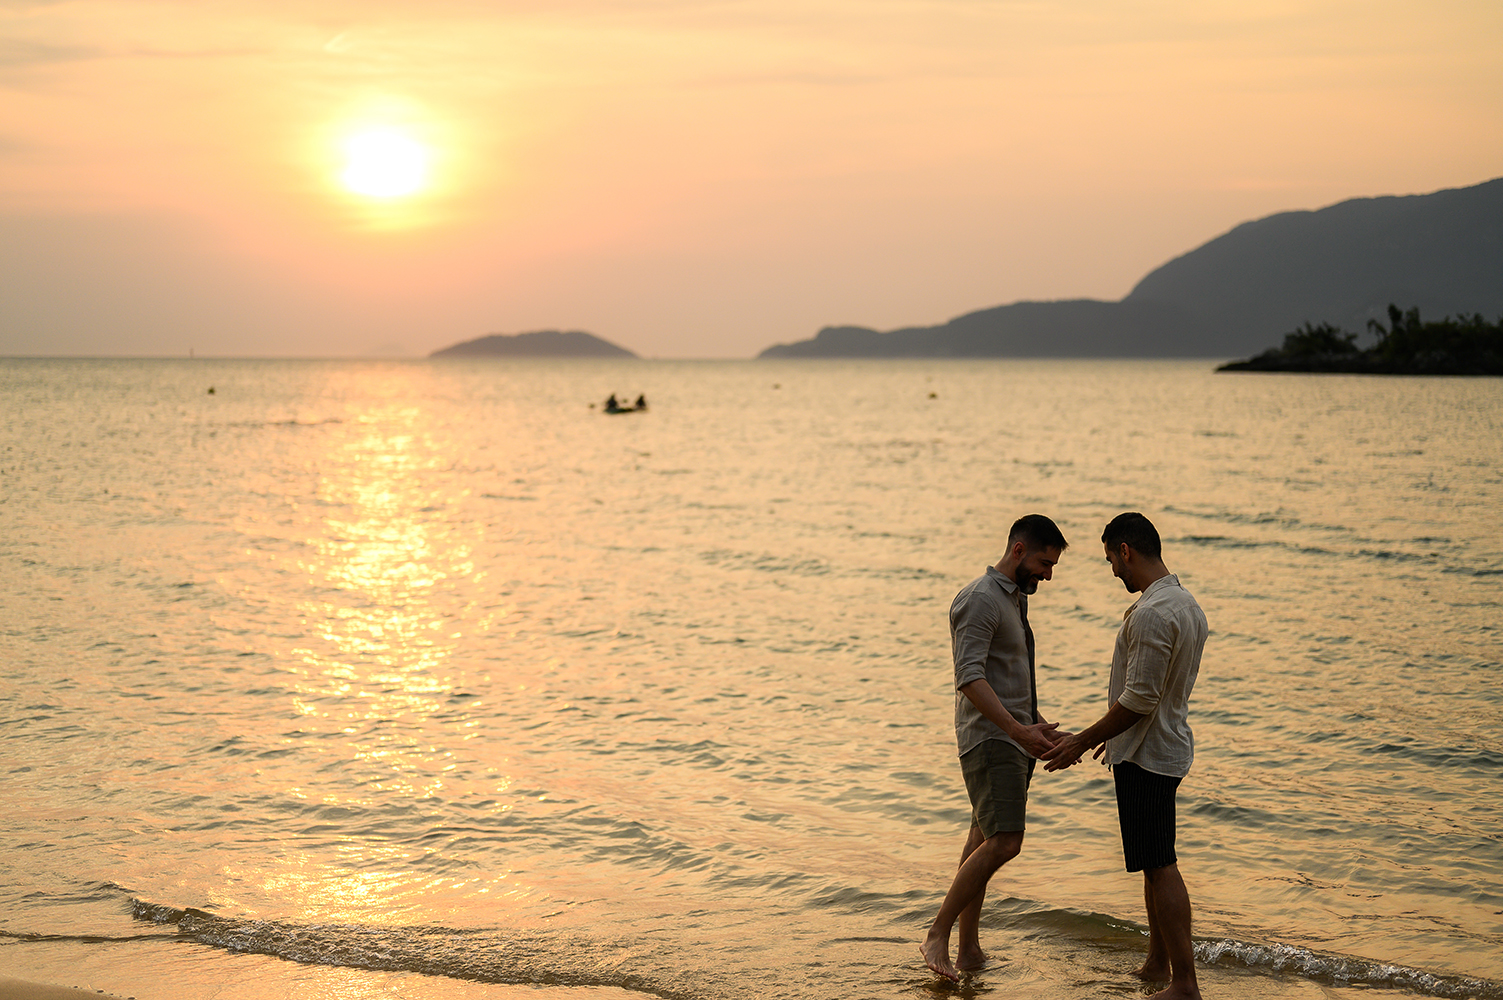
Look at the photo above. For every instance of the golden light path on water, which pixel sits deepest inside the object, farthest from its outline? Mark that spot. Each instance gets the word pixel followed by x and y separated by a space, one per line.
pixel 380 562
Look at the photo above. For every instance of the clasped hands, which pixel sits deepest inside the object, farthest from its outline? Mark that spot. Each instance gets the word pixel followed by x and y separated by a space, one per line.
pixel 1061 750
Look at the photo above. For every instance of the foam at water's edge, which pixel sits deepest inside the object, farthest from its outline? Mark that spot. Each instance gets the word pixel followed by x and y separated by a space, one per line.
pixel 481 956
pixel 497 957
pixel 1347 971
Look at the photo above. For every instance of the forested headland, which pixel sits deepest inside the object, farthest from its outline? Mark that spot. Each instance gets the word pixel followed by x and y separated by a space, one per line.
pixel 1456 345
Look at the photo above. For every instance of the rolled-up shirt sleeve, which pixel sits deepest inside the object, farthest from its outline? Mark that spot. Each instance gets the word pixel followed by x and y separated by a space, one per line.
pixel 1150 644
pixel 972 625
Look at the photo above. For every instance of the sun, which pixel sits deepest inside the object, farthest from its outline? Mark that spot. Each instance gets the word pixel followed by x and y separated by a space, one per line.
pixel 385 163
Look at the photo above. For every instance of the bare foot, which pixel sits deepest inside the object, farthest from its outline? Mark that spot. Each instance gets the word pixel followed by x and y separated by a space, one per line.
pixel 1153 972
pixel 936 952
pixel 1178 991
pixel 970 959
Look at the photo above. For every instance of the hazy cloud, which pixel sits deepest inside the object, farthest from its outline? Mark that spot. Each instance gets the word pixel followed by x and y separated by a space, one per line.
pixel 17 53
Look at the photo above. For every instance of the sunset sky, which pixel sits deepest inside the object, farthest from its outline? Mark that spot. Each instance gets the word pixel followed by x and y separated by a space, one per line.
pixel 683 178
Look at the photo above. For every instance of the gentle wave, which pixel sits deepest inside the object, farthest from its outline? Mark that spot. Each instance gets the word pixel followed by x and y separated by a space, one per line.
pixel 516 957
pixel 485 956
pixel 1267 958
pixel 1341 970
pixel 1440 562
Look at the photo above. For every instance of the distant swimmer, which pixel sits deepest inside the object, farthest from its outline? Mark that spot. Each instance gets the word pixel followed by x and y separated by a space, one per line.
pixel 998 728
pixel 1146 740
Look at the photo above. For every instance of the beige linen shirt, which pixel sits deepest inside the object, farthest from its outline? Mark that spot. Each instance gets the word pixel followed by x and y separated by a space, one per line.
pixel 1154 666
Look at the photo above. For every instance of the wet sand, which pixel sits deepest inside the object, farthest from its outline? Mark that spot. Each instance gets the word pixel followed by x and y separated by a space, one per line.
pixel 157 970
pixel 21 989
pixel 346 984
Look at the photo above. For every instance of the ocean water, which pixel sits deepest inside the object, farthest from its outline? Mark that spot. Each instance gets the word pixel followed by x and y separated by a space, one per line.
pixel 436 668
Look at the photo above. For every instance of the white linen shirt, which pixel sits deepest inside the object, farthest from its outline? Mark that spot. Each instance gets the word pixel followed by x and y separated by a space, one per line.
pixel 1154 666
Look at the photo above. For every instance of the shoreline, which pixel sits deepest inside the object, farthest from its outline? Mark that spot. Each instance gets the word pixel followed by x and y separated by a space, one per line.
pixel 166 969
pixel 25 989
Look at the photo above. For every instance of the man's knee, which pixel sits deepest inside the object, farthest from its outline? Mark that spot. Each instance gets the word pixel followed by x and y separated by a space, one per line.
pixel 1003 847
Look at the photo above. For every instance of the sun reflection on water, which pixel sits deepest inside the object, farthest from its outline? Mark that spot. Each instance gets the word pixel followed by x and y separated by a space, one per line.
pixel 386 553
pixel 379 535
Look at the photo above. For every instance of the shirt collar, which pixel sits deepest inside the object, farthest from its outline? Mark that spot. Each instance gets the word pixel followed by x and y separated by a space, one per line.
pixel 1008 584
pixel 1168 580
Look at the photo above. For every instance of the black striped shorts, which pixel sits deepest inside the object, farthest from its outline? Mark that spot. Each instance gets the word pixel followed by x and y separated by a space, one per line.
pixel 1145 809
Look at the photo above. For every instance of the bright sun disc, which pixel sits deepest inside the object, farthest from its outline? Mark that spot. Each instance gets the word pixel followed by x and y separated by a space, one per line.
pixel 384 163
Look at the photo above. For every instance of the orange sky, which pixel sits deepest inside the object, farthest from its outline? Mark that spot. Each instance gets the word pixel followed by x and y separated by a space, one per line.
pixel 683 178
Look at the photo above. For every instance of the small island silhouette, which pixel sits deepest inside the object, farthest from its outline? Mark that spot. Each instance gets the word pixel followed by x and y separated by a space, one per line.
pixel 1456 345
pixel 538 344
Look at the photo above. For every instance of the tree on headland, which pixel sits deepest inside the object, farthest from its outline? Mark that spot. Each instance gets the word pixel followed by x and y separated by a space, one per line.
pixel 1456 345
pixel 1470 342
pixel 1325 340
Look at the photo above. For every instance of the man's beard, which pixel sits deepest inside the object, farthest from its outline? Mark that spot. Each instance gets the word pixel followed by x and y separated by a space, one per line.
pixel 1027 582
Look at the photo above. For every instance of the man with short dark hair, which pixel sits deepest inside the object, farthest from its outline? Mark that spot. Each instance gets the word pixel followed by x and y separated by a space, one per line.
pixel 1145 735
pixel 998 727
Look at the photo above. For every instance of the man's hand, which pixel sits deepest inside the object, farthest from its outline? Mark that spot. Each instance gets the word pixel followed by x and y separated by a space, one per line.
pixel 1068 748
pixel 1039 739
pixel 1067 752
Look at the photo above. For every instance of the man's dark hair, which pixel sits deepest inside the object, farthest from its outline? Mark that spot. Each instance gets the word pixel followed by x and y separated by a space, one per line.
pixel 1037 532
pixel 1137 531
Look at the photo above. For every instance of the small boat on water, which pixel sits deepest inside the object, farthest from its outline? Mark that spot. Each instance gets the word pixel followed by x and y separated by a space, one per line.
pixel 612 406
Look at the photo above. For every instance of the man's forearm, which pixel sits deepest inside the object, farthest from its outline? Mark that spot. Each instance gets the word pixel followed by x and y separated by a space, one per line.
pixel 981 694
pixel 1117 720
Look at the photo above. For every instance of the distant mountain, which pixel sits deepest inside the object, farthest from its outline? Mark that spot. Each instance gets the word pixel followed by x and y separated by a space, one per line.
pixel 1236 295
pixel 539 344
pixel 1075 328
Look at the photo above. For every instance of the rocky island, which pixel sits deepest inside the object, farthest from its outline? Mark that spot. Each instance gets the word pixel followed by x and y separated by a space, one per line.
pixel 1456 345
pixel 538 344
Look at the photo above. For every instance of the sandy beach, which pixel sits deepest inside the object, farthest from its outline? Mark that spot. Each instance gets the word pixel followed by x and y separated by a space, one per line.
pixel 21 989
pixel 143 970
pixel 343 983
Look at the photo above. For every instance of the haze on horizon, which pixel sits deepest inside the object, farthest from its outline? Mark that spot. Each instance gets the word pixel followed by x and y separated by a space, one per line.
pixel 684 178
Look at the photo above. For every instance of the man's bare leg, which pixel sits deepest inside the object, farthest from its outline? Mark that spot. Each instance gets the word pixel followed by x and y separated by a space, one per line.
pixel 975 871
pixel 1170 911
pixel 1155 968
pixel 968 953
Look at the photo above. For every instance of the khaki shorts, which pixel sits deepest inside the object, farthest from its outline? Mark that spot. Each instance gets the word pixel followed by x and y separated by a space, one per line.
pixel 997 775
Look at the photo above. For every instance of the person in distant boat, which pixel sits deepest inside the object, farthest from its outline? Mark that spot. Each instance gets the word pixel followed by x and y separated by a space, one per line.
pixel 611 406
pixel 998 728
pixel 642 402
pixel 1146 739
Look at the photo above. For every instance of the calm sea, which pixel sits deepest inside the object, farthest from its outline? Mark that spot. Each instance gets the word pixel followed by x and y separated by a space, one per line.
pixel 437 668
